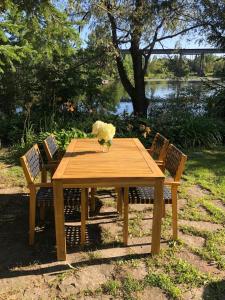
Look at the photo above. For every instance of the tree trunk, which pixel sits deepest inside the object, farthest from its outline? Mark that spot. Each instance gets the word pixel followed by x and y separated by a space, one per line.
pixel 140 103
pixel 136 91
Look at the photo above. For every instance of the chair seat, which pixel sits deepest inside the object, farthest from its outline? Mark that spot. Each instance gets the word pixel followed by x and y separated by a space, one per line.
pixel 145 195
pixel 72 197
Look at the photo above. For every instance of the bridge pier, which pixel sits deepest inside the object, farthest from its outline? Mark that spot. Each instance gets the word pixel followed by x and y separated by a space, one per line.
pixel 201 71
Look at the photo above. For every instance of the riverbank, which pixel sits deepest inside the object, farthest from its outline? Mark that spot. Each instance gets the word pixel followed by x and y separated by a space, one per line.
pixel 183 79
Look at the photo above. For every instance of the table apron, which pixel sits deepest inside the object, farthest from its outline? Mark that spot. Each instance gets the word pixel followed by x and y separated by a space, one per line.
pixel 118 184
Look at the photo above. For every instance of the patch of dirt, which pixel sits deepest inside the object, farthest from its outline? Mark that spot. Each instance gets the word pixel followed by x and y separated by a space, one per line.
pixel 219 204
pixel 201 264
pixel 151 293
pixel 201 225
pixel 137 272
pixel 89 277
pixel 194 294
pixel 197 191
pixel 191 240
pixel 181 203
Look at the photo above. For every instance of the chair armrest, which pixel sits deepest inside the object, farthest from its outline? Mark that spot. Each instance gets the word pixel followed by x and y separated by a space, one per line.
pixel 149 151
pixel 43 184
pixel 171 183
pixel 159 162
pixel 51 165
pixel 161 165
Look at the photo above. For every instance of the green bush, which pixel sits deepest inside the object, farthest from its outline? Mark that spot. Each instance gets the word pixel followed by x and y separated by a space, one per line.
pixel 192 131
pixel 185 130
pixel 63 138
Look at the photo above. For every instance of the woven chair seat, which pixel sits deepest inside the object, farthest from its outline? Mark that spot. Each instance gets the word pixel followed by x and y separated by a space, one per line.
pixel 145 195
pixel 72 197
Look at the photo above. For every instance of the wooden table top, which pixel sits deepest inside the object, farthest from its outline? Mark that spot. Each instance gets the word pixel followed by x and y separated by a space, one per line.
pixel 126 163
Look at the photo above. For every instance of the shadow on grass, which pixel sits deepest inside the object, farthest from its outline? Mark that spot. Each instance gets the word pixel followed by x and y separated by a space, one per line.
pixel 209 159
pixel 17 258
pixel 214 291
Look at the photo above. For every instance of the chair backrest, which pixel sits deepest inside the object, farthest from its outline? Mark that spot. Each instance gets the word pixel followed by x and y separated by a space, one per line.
pixel 174 162
pixel 50 146
pixel 32 163
pixel 159 147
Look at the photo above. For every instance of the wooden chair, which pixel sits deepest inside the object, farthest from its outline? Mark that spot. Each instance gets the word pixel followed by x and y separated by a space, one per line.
pixel 52 150
pixel 174 165
pixel 41 194
pixel 54 157
pixel 158 148
pixel 158 152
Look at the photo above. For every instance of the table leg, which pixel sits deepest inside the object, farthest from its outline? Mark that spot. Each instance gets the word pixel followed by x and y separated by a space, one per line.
pixel 59 220
pixel 157 216
pixel 83 214
pixel 125 216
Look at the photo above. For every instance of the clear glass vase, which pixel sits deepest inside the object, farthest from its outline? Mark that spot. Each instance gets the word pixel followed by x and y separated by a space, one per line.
pixel 104 148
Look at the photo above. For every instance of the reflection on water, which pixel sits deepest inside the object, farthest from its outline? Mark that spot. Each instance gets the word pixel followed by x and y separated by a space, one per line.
pixel 183 92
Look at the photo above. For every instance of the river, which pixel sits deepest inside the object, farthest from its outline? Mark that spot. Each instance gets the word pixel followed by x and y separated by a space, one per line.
pixel 159 91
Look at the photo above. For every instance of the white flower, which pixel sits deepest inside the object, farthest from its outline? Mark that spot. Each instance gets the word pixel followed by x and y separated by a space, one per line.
pixel 103 131
pixel 96 126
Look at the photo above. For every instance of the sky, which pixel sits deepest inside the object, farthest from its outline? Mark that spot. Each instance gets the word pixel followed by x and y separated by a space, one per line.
pixel 187 41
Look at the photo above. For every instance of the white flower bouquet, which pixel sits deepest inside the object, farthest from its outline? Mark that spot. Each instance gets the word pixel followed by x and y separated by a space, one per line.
pixel 104 132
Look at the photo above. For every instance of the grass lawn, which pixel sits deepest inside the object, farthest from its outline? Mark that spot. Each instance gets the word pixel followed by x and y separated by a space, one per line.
pixel 191 268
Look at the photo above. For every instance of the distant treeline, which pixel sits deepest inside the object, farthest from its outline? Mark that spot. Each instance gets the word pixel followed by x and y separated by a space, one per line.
pixel 181 66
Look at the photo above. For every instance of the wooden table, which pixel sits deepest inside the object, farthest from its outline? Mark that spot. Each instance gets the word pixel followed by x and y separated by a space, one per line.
pixel 126 164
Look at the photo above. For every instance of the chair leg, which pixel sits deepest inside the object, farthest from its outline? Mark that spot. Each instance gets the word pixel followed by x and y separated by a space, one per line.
pixel 32 215
pixel 119 201
pixel 164 210
pixel 125 218
pixel 93 204
pixel 44 175
pixel 84 195
pixel 86 206
pixel 174 212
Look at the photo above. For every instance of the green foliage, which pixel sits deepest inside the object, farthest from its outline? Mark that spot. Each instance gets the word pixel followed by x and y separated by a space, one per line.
pixel 131 285
pixel 164 282
pixel 186 273
pixel 64 137
pixel 111 287
pixel 213 247
pixel 29 138
pixel 198 171
pixel 178 66
pixel 157 68
pixel 188 131
pixel 36 29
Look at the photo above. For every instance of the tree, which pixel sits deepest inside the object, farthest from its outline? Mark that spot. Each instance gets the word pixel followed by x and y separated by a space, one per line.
pixel 137 26
pixel 213 12
pixel 178 66
pixel 37 41
pixel 34 28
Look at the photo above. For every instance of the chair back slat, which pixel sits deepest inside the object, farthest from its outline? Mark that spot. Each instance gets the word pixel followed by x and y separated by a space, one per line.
pixel 50 146
pixel 159 147
pixel 32 163
pixel 174 162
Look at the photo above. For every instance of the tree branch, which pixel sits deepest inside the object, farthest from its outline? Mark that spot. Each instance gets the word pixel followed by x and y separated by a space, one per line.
pixel 121 69
pixel 178 33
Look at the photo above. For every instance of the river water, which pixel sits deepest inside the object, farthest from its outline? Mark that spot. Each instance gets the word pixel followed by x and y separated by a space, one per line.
pixel 159 91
